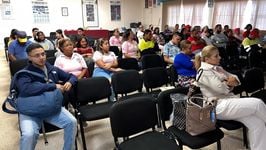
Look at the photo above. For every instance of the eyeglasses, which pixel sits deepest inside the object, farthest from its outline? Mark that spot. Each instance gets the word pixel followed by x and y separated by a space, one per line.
pixel 38 55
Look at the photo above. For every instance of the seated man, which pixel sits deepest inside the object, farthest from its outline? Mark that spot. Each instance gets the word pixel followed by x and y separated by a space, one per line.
pixel 171 48
pixel 17 48
pixel 146 44
pixel 29 86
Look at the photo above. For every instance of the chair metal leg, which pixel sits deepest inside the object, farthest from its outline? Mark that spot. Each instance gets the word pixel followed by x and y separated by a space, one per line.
pixel 245 138
pixel 219 145
pixel 82 135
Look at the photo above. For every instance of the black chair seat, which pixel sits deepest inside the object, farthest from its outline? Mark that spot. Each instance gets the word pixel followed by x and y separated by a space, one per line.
pixel 199 141
pixel 229 124
pixel 95 111
pixel 148 141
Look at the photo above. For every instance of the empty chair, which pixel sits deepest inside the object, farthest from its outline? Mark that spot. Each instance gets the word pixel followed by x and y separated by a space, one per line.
pixel 183 137
pixel 127 81
pixel 154 78
pixel 17 65
pixel 151 61
pixel 128 63
pixel 254 81
pixel 133 116
pixel 91 90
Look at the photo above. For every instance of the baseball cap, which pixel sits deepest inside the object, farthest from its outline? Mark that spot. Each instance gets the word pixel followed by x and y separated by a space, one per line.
pixel 22 36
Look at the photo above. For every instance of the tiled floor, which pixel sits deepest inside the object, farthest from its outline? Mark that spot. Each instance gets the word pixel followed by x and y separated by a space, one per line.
pixel 98 133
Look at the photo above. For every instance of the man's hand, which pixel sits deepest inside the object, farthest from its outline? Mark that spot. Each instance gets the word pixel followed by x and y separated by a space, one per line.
pixel 60 87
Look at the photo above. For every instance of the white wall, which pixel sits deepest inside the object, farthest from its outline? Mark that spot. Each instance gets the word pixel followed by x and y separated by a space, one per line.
pixel 131 11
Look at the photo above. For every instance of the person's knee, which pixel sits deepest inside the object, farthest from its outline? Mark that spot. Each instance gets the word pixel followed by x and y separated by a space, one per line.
pixel 72 121
pixel 30 135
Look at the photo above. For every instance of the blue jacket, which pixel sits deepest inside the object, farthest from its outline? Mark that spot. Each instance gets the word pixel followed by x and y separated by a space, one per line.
pixel 30 85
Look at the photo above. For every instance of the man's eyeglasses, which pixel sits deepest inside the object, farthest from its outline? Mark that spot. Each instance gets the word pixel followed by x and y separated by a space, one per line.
pixel 38 55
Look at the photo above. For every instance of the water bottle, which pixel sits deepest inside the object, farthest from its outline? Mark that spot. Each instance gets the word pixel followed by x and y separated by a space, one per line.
pixel 213 117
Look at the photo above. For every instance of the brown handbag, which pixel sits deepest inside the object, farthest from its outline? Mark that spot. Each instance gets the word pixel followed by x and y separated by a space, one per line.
pixel 200 116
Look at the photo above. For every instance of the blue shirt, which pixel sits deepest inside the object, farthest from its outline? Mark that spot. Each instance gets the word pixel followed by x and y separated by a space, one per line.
pixel 18 50
pixel 171 50
pixel 184 66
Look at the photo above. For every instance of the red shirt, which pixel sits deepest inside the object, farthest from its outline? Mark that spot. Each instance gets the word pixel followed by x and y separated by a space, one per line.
pixel 195 47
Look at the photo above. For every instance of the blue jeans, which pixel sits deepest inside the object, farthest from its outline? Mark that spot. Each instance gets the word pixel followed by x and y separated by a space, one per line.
pixel 30 127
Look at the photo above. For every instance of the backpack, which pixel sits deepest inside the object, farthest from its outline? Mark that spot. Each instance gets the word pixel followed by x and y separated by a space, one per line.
pixel 41 106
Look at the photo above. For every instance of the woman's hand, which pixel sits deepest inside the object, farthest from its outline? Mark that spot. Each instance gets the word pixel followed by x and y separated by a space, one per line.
pixel 67 86
pixel 232 81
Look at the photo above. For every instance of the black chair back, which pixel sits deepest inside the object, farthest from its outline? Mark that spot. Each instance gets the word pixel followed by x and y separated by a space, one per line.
pixel 128 63
pixel 132 116
pixel 154 78
pixel 116 50
pixel 51 60
pixel 17 65
pixel 50 53
pixel 126 81
pixel 6 39
pixel 165 102
pixel 151 61
pixel 254 80
pixel 93 89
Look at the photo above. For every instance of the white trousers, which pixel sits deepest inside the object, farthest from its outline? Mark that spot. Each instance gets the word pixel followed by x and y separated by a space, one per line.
pixel 251 112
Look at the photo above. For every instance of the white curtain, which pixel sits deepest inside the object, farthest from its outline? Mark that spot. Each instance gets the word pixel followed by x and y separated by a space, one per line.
pixel 235 13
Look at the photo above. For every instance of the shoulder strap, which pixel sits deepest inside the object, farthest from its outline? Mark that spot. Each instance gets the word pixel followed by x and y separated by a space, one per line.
pixel 199 72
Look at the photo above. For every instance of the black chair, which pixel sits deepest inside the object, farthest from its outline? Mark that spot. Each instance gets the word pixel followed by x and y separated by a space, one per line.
pixel 234 125
pixel 254 58
pixel 50 53
pixel 137 115
pixel 91 90
pixel 51 60
pixel 128 63
pixel 154 78
pixel 17 65
pixel 183 137
pixel 173 76
pixel 116 50
pixel 148 51
pixel 125 82
pixel 254 81
pixel 6 39
pixel 151 61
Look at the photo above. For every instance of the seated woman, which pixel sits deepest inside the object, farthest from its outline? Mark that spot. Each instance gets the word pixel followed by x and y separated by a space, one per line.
pixel 129 46
pixel 184 64
pixel 45 43
pixel 105 61
pixel 83 48
pixel 116 39
pixel 70 61
pixel 215 82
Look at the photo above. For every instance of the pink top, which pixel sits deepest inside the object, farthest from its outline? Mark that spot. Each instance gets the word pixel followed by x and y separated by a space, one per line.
pixel 130 48
pixel 106 58
pixel 114 41
pixel 73 65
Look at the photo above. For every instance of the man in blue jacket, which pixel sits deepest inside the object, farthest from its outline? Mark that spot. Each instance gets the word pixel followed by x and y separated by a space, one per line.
pixel 29 85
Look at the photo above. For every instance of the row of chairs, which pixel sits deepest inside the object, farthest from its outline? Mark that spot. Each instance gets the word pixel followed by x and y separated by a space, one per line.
pixel 133 114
